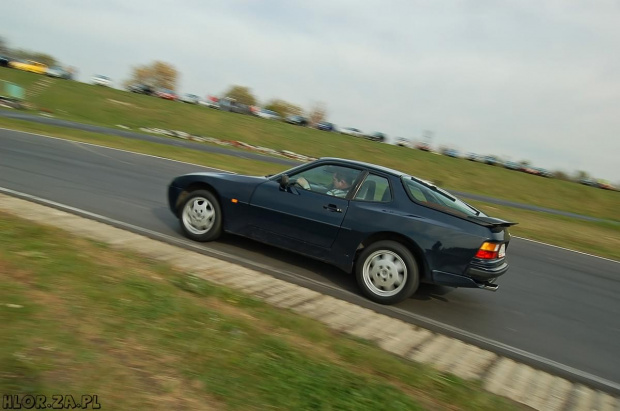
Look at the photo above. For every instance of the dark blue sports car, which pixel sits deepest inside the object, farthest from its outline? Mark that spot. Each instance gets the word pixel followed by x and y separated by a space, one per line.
pixel 392 229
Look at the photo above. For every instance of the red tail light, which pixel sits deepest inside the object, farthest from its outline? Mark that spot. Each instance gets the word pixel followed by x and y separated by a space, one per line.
pixel 491 251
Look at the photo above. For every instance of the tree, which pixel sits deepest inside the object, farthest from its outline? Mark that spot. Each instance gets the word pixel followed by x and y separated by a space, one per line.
pixel 317 113
pixel 581 175
pixel 34 55
pixel 241 94
pixel 26 54
pixel 561 175
pixel 283 108
pixel 157 74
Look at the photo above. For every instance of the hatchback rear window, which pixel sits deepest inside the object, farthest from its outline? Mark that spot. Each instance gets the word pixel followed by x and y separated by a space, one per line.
pixel 427 194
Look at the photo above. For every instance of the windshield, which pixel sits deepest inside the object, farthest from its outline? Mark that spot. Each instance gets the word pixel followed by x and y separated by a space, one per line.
pixel 426 193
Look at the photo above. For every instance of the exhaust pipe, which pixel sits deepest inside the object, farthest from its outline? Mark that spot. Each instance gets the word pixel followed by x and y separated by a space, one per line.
pixel 488 286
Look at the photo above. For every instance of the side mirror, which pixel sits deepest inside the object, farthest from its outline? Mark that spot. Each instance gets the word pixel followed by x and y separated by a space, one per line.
pixel 284 181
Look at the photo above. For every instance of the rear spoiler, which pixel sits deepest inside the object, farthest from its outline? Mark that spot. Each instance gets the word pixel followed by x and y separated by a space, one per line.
pixel 490 221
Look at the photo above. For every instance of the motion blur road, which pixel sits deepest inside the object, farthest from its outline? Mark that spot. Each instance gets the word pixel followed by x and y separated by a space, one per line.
pixel 553 304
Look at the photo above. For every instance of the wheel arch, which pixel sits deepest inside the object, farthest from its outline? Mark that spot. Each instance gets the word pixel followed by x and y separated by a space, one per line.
pixel 197 185
pixel 411 245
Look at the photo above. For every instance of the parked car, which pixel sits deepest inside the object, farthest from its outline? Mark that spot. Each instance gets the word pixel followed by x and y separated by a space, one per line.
pixel 605 185
pixel 233 106
pixel 589 182
pixel 28 65
pixel 268 114
pixel 209 103
pixel 391 229
pixel 543 172
pixel 325 126
pixel 403 142
pixel 450 152
pixel 167 94
pixel 376 136
pixel 422 145
pixel 512 165
pixel 58 72
pixel 297 120
pixel 141 89
pixel 190 98
pixel 490 160
pixel 101 80
pixel 351 131
pixel 473 157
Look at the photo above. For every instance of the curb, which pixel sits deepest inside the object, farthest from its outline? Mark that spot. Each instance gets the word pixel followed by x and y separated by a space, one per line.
pixel 497 374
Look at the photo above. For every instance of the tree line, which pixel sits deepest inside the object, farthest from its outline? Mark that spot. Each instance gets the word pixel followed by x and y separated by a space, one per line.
pixel 159 74
pixel 18 53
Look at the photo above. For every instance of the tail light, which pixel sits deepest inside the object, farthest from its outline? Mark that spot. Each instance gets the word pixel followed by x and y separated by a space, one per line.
pixel 491 251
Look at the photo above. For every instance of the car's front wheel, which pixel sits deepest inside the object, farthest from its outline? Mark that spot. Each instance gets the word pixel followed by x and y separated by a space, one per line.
pixel 387 272
pixel 201 216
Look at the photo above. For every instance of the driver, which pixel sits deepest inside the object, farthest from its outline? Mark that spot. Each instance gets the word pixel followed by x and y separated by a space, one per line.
pixel 341 183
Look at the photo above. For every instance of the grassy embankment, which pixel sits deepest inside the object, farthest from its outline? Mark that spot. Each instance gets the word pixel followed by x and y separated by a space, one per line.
pixel 108 107
pixel 79 317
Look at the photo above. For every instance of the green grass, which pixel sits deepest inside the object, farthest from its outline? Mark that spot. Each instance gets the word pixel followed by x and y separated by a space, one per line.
pixel 78 317
pixel 109 107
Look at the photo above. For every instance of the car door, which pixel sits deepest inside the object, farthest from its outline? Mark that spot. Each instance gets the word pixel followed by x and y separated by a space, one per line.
pixel 304 215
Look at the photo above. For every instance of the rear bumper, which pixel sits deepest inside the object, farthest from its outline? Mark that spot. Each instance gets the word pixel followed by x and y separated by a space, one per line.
pixel 480 273
pixel 476 276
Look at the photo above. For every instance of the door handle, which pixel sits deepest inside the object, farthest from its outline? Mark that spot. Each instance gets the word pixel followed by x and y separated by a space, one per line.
pixel 333 208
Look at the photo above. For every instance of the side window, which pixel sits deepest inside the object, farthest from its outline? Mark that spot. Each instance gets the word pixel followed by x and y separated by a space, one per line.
pixel 327 179
pixel 374 188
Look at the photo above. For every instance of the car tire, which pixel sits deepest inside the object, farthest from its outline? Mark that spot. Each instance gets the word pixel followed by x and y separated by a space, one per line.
pixel 201 216
pixel 387 272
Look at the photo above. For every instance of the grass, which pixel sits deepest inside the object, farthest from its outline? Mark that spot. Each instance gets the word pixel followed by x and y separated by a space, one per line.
pixel 109 107
pixel 79 317
pixel 601 239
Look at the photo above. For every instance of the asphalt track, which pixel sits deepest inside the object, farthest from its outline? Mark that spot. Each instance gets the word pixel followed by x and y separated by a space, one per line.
pixel 555 308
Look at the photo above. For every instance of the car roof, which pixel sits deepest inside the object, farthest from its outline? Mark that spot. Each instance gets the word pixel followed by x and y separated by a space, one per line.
pixel 365 165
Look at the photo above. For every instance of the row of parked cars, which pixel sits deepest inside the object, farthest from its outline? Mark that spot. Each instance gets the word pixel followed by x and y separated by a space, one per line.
pixel 36 67
pixel 168 94
pixel 496 161
pixel 299 120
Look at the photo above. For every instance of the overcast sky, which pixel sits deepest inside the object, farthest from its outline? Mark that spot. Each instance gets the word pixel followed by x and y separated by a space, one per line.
pixel 531 80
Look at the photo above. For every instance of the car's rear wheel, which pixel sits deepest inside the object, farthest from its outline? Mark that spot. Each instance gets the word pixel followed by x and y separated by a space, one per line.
pixel 201 216
pixel 387 272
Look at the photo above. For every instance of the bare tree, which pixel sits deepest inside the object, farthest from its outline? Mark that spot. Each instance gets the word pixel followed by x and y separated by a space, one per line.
pixel 317 113
pixel 283 108
pixel 581 175
pixel 241 94
pixel 157 74
pixel 34 55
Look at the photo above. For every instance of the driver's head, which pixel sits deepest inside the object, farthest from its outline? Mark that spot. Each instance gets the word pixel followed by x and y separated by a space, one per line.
pixel 341 180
